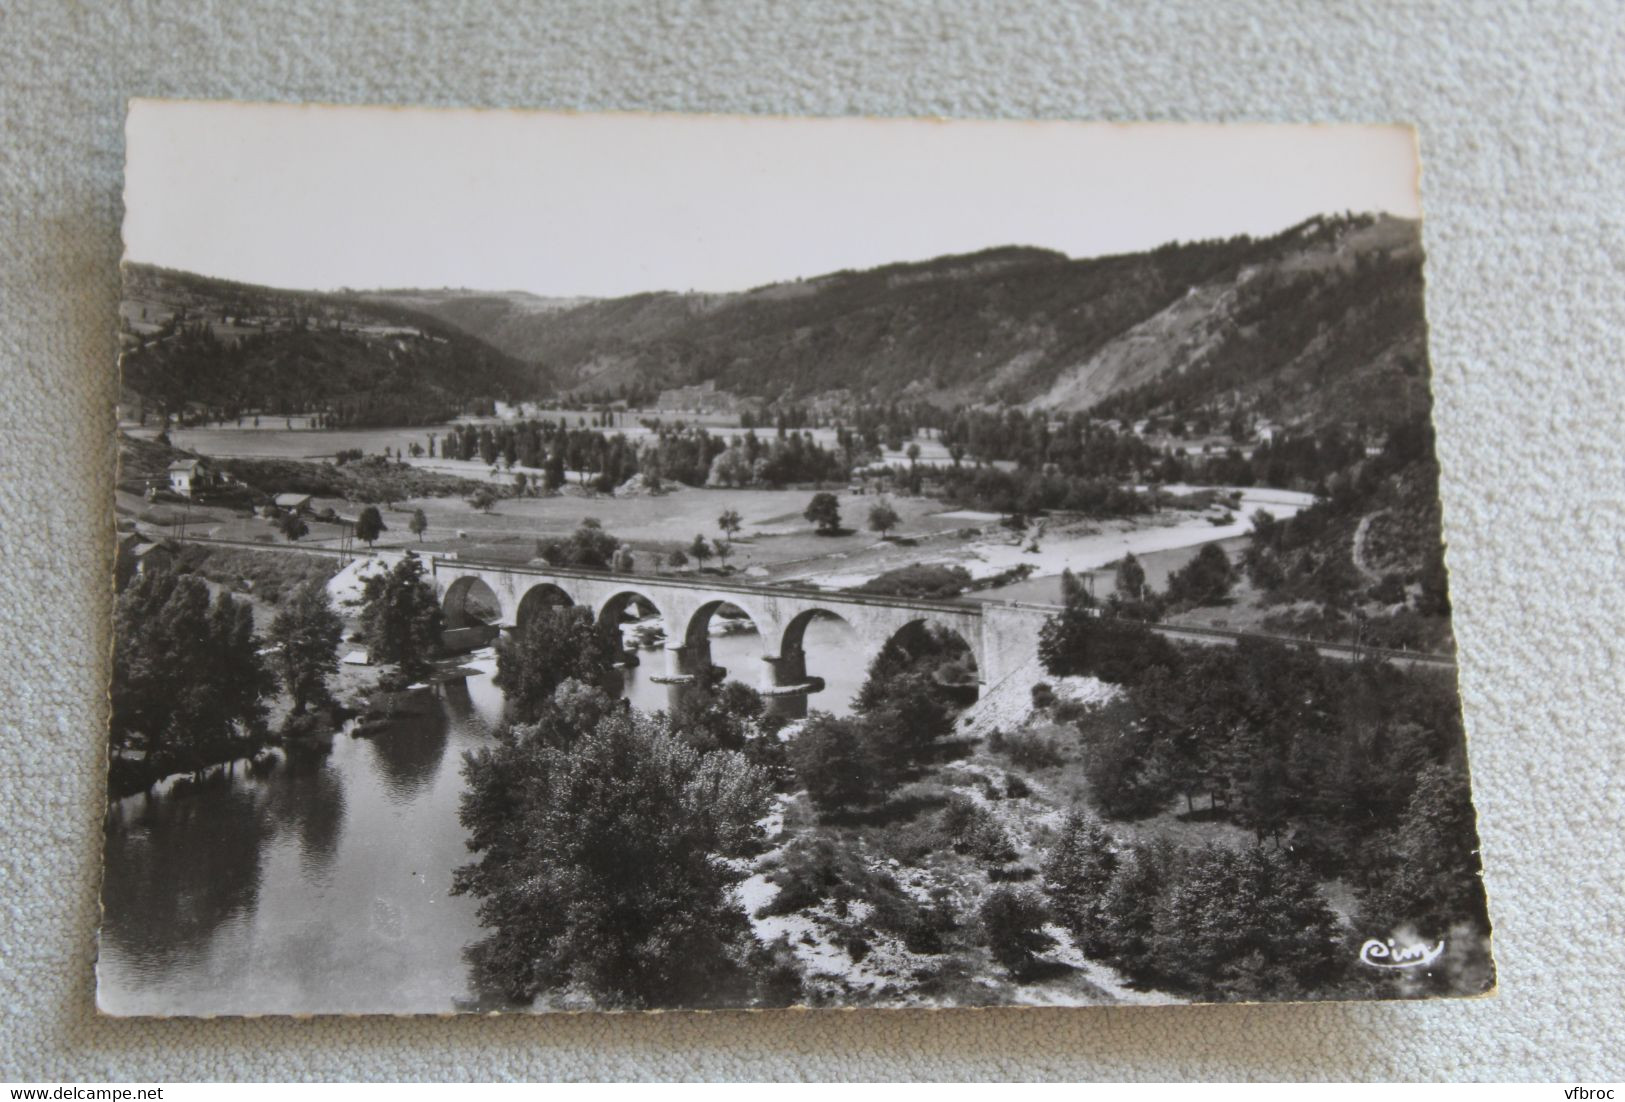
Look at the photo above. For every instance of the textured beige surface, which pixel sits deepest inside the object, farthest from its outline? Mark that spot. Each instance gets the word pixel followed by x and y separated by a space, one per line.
pixel 1520 114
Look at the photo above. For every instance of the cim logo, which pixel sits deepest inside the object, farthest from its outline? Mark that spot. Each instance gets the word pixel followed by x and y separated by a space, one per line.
pixel 1386 954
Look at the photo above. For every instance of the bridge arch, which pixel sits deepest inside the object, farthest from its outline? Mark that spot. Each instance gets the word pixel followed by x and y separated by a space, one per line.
pixel 792 679
pixel 698 628
pixel 795 632
pixel 689 647
pixel 470 602
pixel 538 597
pixel 611 614
pixel 951 655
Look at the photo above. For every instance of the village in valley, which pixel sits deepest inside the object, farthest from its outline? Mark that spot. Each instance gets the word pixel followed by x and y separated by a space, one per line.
pixel 963 685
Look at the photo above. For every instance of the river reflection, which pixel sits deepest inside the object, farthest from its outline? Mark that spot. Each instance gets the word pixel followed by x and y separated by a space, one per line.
pixel 322 885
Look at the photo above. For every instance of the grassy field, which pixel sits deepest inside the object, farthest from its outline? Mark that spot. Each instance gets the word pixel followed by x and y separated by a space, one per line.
pixel 775 543
pixel 773 533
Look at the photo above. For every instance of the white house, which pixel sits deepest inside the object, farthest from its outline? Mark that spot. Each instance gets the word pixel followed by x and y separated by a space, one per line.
pixel 293 503
pixel 186 475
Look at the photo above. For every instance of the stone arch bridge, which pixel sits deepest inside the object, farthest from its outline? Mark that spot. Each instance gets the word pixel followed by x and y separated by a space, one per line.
pixel 1002 638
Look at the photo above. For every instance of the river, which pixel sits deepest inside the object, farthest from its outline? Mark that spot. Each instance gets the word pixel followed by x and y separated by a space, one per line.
pixel 322 885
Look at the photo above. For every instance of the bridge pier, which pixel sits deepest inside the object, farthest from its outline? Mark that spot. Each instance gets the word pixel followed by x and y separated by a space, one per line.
pixel 790 686
pixel 686 664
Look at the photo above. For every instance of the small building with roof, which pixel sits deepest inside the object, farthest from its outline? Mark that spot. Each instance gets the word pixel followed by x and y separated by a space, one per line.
pixel 185 475
pixel 293 503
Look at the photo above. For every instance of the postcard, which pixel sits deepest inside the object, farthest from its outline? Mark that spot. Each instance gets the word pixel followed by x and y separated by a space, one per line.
pixel 575 562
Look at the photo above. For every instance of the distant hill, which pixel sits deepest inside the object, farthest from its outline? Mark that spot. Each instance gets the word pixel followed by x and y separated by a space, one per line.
pixel 194 343
pixel 1319 322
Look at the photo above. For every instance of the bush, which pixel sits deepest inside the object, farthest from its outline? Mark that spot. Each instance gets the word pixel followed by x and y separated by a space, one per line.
pixel 912 841
pixel 928 928
pixel 837 760
pixel 771 756
pixel 970 828
pixel 1069 711
pixel 1031 751
pixel 816 869
pixel 1043 696
pixel 268 575
pixel 919 580
pixel 588 547
pixel 1018 573
pixel 1012 922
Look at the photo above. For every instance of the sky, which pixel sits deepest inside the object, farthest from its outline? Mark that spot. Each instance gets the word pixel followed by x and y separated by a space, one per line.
pixel 322 197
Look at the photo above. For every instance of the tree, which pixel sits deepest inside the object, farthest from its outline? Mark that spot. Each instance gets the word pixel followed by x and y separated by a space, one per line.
pixel 370 525
pixel 913 454
pixel 824 511
pixel 1130 578
pixel 1205 580
pixel 401 618
pixel 293 526
pixel 554 476
pixel 729 522
pixel 188 680
pixel 1248 925
pixel 588 547
pixel 1131 907
pixel 905 718
pixel 1432 881
pixel 306 632
pixel 1077 875
pixel 558 644
pixel 1013 926
pixel 699 550
pixel 603 863
pixel 419 524
pixel 1078 640
pixel 677 559
pixel 719 717
pixel 882 517
pixel 837 762
pixel 731 468
pixel 1063 640
pixel 482 499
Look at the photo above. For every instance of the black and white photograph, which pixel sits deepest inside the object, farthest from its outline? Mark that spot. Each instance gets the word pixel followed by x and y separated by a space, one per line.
pixel 602 562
